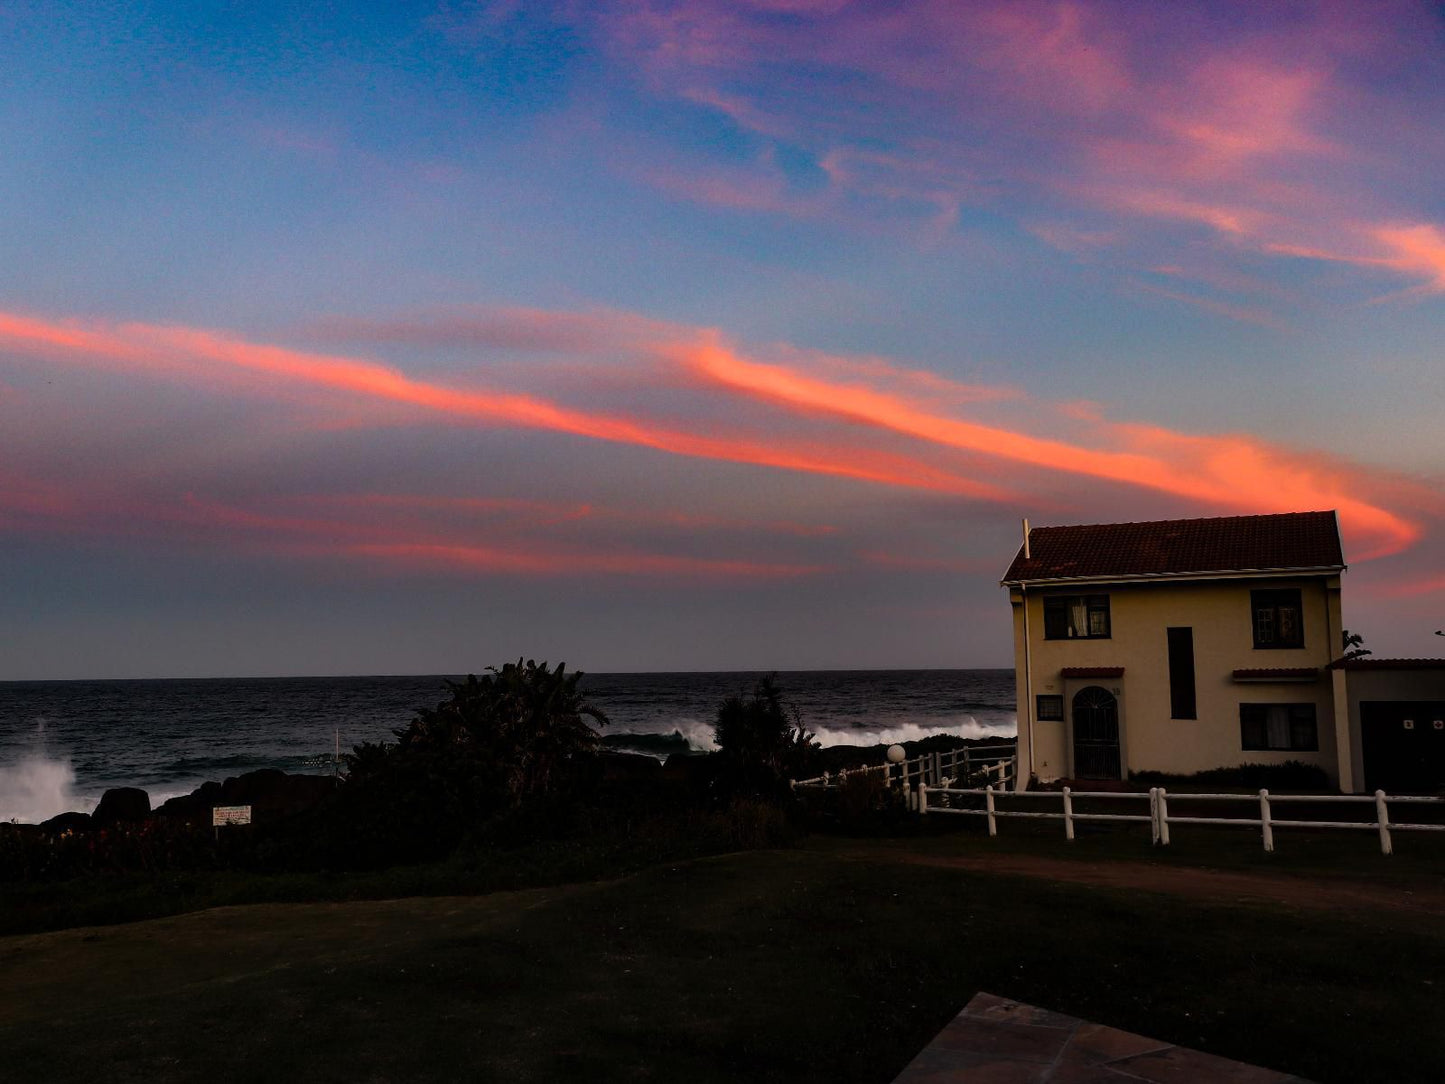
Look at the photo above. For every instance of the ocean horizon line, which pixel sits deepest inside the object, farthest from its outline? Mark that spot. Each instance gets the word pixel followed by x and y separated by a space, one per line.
pixel 463 673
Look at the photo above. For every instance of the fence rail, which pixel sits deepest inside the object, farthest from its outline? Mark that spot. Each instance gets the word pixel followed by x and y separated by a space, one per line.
pixel 943 768
pixel 933 799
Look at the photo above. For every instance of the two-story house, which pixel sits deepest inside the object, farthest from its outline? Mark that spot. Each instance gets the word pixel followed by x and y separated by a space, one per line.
pixel 1179 646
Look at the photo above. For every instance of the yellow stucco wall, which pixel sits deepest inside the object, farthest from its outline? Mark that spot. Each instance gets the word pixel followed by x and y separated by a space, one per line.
pixel 1220 615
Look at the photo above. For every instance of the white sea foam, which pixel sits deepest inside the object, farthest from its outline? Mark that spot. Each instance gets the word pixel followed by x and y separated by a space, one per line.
pixel 901 732
pixel 37 787
pixel 699 735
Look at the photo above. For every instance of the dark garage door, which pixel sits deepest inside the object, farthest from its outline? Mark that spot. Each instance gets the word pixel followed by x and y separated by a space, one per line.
pixel 1404 744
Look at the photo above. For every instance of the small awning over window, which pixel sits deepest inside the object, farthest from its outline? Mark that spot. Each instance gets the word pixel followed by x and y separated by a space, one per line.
pixel 1092 672
pixel 1278 674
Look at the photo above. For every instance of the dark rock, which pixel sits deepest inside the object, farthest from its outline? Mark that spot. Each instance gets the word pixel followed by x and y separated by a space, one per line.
pixel 67 822
pixel 690 769
pixel 121 804
pixel 271 793
pixel 630 768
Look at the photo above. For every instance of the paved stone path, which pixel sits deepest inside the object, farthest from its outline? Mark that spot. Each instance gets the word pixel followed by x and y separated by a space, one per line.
pixel 997 1041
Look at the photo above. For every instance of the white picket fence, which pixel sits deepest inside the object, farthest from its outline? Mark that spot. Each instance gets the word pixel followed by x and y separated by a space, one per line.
pixel 934 799
pixel 946 767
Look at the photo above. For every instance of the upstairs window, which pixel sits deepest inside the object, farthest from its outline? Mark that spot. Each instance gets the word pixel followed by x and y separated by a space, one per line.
pixel 1279 726
pixel 1278 618
pixel 1076 617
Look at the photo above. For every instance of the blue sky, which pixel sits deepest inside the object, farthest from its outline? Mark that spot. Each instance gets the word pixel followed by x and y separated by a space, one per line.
pixel 697 335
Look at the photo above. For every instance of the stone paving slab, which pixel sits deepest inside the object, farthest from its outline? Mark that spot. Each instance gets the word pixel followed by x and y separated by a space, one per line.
pixel 998 1041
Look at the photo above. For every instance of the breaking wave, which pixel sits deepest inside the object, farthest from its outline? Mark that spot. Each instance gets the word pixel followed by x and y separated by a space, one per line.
pixel 37 787
pixel 902 732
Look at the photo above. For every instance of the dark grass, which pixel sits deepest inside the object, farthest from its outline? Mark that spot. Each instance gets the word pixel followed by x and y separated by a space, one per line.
pixel 813 964
pixel 1340 856
pixel 609 849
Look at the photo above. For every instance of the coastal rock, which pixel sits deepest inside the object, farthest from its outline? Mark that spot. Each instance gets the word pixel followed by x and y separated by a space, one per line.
pixel 67 822
pixel 122 804
pixel 195 806
pixel 689 769
pixel 630 768
pixel 270 792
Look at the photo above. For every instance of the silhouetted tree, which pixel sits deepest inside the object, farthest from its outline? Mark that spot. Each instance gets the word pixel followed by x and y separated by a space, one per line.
pixel 761 742
pixel 500 741
pixel 1352 644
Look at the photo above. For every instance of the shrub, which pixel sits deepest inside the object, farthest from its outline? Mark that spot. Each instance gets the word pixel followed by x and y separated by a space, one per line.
pixel 761 743
pixel 507 742
pixel 1290 775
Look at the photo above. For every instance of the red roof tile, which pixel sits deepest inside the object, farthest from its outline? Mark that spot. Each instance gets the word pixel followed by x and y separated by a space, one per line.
pixel 1092 672
pixel 1279 673
pixel 1174 547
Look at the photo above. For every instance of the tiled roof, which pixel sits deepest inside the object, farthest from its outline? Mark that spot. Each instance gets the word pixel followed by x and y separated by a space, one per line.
pixel 1175 547
pixel 1279 673
pixel 1388 664
pixel 1092 672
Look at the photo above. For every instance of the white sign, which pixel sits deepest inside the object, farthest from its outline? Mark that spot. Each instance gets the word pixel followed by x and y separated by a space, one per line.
pixel 230 814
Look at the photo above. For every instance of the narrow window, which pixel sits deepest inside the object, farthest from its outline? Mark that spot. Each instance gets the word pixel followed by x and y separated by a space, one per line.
pixel 1181 674
pixel 1279 726
pixel 1277 618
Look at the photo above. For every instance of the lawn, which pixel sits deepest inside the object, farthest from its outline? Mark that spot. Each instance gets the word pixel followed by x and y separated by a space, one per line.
pixel 834 961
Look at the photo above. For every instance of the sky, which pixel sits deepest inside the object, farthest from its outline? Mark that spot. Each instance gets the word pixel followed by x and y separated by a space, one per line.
pixel 708 335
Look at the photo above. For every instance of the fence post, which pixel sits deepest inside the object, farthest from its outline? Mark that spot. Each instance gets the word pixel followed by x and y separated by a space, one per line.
pixel 988 801
pixel 1382 815
pixel 937 768
pixel 967 767
pixel 1264 824
pixel 923 799
pixel 1163 815
pixel 1154 815
pixel 1068 814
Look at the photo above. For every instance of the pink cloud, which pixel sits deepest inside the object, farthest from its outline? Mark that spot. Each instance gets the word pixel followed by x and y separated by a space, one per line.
pixel 1265 128
pixel 1243 313
pixel 861 419
pixel 1239 473
pixel 531 562
pixel 173 349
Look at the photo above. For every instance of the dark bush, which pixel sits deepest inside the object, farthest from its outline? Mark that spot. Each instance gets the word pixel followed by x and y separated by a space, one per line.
pixel 762 744
pixel 508 743
pixel 1290 775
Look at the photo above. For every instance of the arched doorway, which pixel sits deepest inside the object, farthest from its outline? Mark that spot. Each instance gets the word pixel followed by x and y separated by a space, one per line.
pixel 1096 734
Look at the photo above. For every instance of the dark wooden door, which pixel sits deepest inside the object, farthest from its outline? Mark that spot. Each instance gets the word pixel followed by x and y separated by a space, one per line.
pixel 1096 734
pixel 1404 745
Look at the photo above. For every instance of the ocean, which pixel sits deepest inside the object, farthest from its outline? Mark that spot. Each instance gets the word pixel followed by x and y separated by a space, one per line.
pixel 64 743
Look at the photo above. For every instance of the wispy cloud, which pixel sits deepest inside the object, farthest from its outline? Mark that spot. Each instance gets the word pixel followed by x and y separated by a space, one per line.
pixel 859 419
pixel 1109 122
pixel 1228 472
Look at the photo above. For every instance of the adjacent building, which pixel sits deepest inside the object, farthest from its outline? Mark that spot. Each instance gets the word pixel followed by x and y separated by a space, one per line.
pixel 1184 645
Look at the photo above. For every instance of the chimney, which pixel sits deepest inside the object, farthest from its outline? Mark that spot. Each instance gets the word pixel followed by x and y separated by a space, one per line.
pixel 1026 539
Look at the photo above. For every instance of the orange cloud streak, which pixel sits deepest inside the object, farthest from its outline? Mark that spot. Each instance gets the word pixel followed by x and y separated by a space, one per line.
pixel 488 559
pixel 1235 472
pixel 1238 473
pixel 151 345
